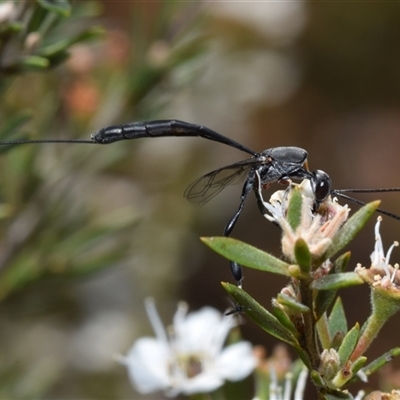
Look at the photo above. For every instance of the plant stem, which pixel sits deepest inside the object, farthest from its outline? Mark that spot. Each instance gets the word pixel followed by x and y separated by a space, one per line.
pixel 309 324
pixel 384 307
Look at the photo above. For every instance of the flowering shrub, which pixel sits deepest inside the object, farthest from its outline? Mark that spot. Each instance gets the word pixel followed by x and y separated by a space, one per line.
pixel 311 241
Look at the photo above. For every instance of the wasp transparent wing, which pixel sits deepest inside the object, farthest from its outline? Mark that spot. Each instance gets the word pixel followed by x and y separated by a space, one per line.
pixel 205 188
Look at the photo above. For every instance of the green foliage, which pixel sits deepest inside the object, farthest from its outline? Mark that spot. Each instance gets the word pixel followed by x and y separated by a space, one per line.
pixel 333 354
pixel 68 213
pixel 247 255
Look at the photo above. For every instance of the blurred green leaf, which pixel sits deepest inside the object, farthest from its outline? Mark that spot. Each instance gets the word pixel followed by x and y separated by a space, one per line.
pixel 61 7
pixel 11 124
pixel 338 395
pixel 37 18
pixel 28 269
pixel 247 255
pixel 61 46
pixel 34 63
pixel 58 58
pixel 10 28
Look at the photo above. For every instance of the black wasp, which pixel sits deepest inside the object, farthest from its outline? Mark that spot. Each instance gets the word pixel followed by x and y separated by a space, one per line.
pixel 277 164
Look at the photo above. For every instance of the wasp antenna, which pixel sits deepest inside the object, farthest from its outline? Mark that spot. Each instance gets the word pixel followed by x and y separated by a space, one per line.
pixel 237 309
pixel 362 203
pixel 379 190
pixel 28 141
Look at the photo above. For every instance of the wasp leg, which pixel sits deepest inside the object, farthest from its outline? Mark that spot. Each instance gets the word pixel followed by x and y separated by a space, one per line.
pixel 236 268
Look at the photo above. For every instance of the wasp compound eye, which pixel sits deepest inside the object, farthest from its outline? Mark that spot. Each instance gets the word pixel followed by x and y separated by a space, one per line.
pixel 322 185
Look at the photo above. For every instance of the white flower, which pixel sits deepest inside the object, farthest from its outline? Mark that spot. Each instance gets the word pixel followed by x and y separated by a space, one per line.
pixel 379 260
pixel 316 228
pixel 381 273
pixel 190 358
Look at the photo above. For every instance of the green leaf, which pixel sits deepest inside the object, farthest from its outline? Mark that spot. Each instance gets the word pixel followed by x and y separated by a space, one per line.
pixel 10 28
pixel 337 281
pixel 36 19
pixel 58 58
pixel 303 256
pixel 348 344
pixel 285 320
pixel 292 304
pixel 61 46
pixel 358 364
pixel 13 123
pixel 338 395
pixel 381 361
pixel 60 7
pixel 317 379
pixel 247 255
pixel 337 319
pixel 341 262
pixel 295 208
pixel 350 229
pixel 324 298
pixel 260 315
pixel 34 62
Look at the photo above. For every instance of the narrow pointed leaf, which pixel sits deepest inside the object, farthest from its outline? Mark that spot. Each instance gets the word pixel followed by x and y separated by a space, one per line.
pixel 34 62
pixel 329 394
pixel 337 281
pixel 292 304
pixel 358 364
pixel 285 321
pixel 350 229
pixel 337 319
pixel 63 45
pixel 348 344
pixel 303 256
pixel 294 208
pixel 61 7
pixel 341 262
pixel 324 298
pixel 338 395
pixel 317 379
pixel 323 332
pixel 381 361
pixel 247 255
pixel 13 123
pixel 260 315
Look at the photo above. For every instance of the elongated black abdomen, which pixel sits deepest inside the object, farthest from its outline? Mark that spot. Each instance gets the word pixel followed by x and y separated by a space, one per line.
pixel 160 128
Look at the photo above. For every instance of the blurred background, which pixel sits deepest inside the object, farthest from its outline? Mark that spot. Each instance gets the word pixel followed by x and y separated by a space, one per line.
pixel 88 232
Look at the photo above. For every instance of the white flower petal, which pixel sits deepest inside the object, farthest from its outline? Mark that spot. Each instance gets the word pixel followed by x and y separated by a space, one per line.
pixel 191 359
pixel 236 361
pixel 155 320
pixel 147 363
pixel 203 383
pixel 199 331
